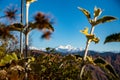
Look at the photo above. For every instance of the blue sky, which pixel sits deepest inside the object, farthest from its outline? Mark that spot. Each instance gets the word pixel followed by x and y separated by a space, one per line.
pixel 69 21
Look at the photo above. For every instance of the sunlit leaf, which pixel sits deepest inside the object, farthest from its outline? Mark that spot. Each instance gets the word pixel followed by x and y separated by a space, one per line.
pixel 2 63
pixel 31 59
pixel 90 36
pixel 104 19
pixel 96 40
pixel 30 1
pixel 87 13
pixel 97 12
pixel 14 56
pixel 85 31
pixel 90 59
pixel 8 58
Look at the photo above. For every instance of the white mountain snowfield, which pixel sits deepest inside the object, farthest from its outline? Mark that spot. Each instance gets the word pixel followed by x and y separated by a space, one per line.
pixel 61 48
pixel 68 48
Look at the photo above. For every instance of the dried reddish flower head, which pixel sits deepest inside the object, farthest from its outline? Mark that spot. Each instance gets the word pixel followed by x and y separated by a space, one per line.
pixel 10 13
pixel 40 17
pixel 46 35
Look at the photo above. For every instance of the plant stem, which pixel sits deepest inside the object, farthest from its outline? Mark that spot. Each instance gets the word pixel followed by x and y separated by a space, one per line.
pixel 86 52
pixel 21 36
pixel 26 34
pixel 26 38
pixel 87 44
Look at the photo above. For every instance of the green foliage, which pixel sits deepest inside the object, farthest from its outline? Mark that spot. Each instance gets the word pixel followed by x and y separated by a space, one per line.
pixel 8 58
pixel 99 61
pixel 97 12
pixel 91 36
pixel 50 50
pixel 103 20
pixel 87 75
pixel 113 38
pixel 86 12
pixel 109 70
pixel 2 50
pixel 56 67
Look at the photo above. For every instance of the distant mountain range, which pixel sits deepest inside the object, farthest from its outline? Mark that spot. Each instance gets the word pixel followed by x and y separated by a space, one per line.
pixel 68 49
pixel 61 48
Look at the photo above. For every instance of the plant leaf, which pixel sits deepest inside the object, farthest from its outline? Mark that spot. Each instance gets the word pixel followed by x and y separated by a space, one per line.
pixel 96 40
pixel 15 27
pixel 30 1
pixel 99 61
pixel 113 38
pixel 97 12
pixel 87 13
pixel 90 36
pixel 85 31
pixel 50 27
pixel 111 69
pixel 14 56
pixel 104 19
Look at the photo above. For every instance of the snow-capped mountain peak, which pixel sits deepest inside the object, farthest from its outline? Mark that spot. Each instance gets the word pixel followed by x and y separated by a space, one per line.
pixel 61 48
pixel 67 48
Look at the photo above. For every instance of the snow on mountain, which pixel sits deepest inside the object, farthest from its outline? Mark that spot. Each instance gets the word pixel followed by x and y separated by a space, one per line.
pixel 33 48
pixel 67 48
pixel 61 48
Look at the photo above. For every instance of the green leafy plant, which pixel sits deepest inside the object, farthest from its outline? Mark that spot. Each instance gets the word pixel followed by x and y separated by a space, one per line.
pixel 109 70
pixel 112 38
pixel 91 36
pixel 56 67
pixel 41 23
pixel 8 58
